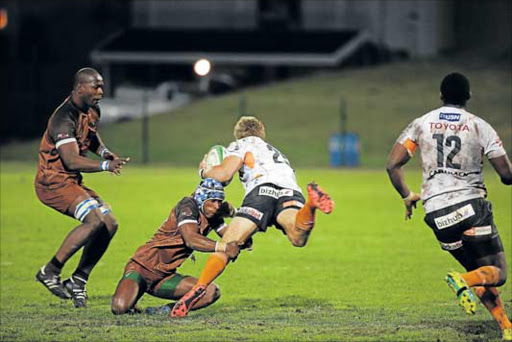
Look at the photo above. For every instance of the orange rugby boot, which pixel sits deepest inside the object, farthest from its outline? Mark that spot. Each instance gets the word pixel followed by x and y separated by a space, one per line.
pixel 319 198
pixel 183 306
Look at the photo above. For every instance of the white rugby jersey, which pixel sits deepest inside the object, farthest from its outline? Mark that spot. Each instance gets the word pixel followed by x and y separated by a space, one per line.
pixel 452 143
pixel 263 163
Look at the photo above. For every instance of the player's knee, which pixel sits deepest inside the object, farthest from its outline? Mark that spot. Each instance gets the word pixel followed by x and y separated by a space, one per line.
pixel 297 241
pixel 93 221
pixel 119 306
pixel 111 225
pixel 502 278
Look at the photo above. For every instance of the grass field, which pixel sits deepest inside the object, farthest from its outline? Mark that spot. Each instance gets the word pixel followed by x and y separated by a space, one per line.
pixel 366 274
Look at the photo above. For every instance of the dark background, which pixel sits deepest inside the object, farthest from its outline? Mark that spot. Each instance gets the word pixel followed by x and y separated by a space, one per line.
pixel 45 42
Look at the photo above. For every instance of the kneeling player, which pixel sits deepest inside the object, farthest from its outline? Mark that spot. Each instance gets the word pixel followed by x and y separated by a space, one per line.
pixel 152 269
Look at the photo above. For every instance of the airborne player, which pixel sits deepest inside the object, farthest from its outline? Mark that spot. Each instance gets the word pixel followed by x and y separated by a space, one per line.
pixel 272 197
pixel 452 143
pixel 152 269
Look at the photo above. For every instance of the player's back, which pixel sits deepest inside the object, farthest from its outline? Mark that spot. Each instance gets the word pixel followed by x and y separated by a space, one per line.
pixel 263 163
pixel 452 143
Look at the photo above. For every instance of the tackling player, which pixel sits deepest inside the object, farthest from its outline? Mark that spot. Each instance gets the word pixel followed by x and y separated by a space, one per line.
pixel 71 132
pixel 152 269
pixel 272 197
pixel 452 143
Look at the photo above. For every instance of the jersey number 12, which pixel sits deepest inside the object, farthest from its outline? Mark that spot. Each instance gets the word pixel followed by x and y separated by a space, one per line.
pixel 450 140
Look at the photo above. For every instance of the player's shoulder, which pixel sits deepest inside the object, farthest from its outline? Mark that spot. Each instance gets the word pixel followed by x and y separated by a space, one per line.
pixel 64 112
pixel 478 120
pixel 188 206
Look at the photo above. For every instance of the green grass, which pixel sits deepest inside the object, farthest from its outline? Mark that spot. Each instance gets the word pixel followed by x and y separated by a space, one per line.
pixel 366 274
pixel 301 115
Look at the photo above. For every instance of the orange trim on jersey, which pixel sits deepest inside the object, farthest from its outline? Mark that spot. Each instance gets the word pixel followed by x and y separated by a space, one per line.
pixel 410 146
pixel 249 160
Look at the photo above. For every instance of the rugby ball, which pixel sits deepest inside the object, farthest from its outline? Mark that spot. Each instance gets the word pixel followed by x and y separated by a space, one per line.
pixel 215 156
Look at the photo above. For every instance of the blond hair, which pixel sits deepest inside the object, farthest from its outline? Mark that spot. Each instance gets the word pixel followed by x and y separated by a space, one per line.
pixel 248 126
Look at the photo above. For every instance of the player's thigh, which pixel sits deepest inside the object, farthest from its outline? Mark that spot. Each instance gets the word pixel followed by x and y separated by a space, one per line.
pixel 486 250
pixel 176 286
pixel 240 229
pixel 130 288
pixel 104 207
pixel 288 204
pixel 286 219
pixel 65 199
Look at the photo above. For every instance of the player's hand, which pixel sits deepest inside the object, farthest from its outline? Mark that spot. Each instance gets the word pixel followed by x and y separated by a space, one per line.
pixel 110 155
pixel 116 165
pixel 202 164
pixel 410 203
pixel 247 245
pixel 232 250
pixel 226 210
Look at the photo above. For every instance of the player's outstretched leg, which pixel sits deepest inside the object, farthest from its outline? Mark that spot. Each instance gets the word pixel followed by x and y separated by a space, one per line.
pixel 183 306
pixel 466 297
pixel 52 282
pixel 490 298
pixel 319 198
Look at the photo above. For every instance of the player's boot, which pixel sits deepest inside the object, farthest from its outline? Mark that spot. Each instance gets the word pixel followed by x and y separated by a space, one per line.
pixel 77 293
pixel 466 297
pixel 52 282
pixel 507 334
pixel 159 310
pixel 320 198
pixel 183 306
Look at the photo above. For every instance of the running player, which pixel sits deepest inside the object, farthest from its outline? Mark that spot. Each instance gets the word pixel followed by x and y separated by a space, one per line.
pixel 272 197
pixel 152 269
pixel 71 132
pixel 452 143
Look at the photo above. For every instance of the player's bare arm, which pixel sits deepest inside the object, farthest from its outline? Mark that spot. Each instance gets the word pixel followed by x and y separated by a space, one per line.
pixel 223 172
pixel 398 157
pixel 99 148
pixel 73 161
pixel 503 167
pixel 194 240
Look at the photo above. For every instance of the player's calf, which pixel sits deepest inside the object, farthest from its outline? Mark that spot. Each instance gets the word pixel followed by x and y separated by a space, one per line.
pixel 211 296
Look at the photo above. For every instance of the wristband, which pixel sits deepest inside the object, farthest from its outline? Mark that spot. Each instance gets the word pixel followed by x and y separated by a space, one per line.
pixel 220 246
pixel 409 197
pixel 201 171
pixel 104 165
pixel 103 151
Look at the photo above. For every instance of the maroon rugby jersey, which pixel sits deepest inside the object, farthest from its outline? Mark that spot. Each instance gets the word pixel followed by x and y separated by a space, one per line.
pixel 68 122
pixel 166 250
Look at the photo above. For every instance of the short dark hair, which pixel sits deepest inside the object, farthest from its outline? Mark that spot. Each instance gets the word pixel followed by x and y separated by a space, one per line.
pixel 455 89
pixel 84 75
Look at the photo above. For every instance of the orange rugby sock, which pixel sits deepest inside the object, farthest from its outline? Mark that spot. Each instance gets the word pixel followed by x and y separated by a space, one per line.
pixel 213 268
pixel 485 275
pixel 490 298
pixel 305 219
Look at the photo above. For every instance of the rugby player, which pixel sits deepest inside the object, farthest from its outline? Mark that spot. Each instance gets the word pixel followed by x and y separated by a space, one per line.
pixel 71 132
pixel 272 197
pixel 152 269
pixel 453 143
